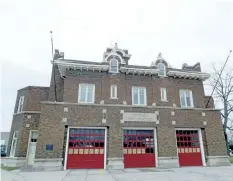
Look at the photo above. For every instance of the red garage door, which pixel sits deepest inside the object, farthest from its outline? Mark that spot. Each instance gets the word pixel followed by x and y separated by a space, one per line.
pixel 86 148
pixel 139 148
pixel 189 150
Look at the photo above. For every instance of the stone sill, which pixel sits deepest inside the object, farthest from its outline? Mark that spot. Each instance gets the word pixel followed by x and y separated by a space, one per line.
pixel 123 105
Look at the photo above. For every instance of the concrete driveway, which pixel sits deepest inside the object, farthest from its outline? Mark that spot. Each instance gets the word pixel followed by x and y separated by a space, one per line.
pixel 179 174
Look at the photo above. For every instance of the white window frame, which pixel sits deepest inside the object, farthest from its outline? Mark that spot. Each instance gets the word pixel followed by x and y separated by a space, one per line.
pixel 20 103
pixel 110 68
pixel 93 93
pixel 164 69
pixel 163 91
pixel 111 92
pixel 145 96
pixel 191 98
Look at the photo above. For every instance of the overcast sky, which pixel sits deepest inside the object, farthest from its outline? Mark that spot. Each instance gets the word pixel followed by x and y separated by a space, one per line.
pixel 187 31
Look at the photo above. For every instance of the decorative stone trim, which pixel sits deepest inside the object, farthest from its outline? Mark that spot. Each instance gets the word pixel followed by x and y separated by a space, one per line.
pixel 156 112
pixel 122 111
pixel 13 161
pixel 139 71
pixel 27 125
pixel 49 164
pixel 104 111
pixel 102 102
pixel 173 113
pixel 122 121
pixel 173 122
pixel 66 109
pixel 203 114
pixel 120 105
pixel 103 120
pixel 29 116
pixel 64 120
pixel 205 123
pixel 27 112
pixel 157 122
pixel 124 102
pixel 154 104
pixel 174 105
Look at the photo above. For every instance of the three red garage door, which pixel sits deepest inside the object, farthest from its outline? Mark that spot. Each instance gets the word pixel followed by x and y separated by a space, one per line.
pixel 86 148
pixel 139 149
pixel 189 151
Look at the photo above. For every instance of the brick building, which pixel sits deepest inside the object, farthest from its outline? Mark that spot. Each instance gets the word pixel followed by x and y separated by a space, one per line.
pixel 111 114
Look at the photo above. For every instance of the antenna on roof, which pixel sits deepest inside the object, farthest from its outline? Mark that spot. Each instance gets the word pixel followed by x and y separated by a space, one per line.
pixel 54 80
pixel 218 79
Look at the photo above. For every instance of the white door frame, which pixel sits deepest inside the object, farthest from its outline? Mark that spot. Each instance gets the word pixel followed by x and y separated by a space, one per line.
pixel 12 141
pixel 29 140
pixel 201 143
pixel 105 143
pixel 155 139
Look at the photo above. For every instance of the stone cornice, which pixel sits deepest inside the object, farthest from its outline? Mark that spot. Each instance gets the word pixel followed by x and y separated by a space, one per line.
pixel 122 105
pixel 188 75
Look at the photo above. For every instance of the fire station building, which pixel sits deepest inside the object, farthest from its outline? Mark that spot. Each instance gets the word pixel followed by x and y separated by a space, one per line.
pixel 111 114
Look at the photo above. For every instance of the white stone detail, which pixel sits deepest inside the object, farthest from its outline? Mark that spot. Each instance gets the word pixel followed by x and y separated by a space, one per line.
pixel 104 110
pixel 218 161
pixel 27 125
pixel 154 104
pixel 29 116
pixel 174 105
pixel 102 102
pixel 66 109
pixel 168 162
pixel 157 122
pixel 173 122
pixel 122 121
pixel 122 111
pixel 124 102
pixel 64 120
pixel 205 123
pixel 189 75
pixel 173 113
pixel 103 120
pixel 139 117
pixel 203 113
pixel 156 112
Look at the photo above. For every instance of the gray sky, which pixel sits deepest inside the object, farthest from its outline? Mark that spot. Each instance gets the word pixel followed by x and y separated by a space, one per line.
pixel 187 31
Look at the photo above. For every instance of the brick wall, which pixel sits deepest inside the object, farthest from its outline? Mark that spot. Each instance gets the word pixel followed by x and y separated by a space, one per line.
pixel 52 129
pixel 124 82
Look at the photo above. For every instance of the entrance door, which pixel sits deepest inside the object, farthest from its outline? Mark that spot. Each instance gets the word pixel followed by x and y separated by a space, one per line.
pixel 86 148
pixel 32 147
pixel 189 151
pixel 139 149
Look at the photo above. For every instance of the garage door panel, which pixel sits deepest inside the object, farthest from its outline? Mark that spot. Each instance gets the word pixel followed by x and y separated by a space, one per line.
pixel 139 149
pixel 87 161
pixel 86 148
pixel 188 148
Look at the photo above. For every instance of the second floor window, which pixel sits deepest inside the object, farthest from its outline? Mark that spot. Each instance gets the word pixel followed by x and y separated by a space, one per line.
pixel 139 96
pixel 86 93
pixel 20 104
pixel 163 94
pixel 114 66
pixel 113 93
pixel 186 98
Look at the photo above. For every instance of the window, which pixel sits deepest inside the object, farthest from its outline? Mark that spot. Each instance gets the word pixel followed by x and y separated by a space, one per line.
pixel 163 94
pixel 114 66
pixel 86 93
pixel 20 105
pixel 162 69
pixel 139 95
pixel 186 98
pixel 113 93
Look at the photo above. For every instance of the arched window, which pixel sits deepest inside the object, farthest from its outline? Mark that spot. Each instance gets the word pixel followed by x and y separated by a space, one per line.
pixel 114 66
pixel 162 69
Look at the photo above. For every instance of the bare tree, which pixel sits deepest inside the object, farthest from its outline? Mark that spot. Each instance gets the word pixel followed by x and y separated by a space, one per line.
pixel 223 93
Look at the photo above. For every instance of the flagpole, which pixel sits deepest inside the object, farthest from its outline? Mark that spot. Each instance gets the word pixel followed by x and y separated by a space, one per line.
pixel 54 80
